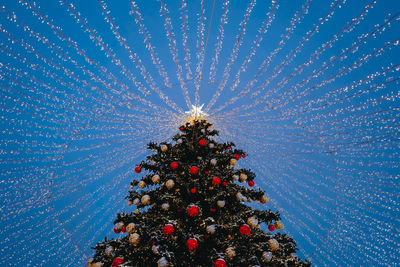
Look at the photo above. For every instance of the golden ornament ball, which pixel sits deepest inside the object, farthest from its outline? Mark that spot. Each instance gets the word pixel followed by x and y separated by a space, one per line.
pixel 141 184
pixel 131 228
pixel 273 244
pixel 170 183
pixel 155 178
pixel 134 239
pixel 145 200
pixel 164 148
pixel 233 162
pixel 279 225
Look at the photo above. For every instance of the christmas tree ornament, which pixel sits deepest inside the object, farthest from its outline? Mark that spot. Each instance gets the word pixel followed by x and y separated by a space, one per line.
pixel 155 249
pixel 264 199
pixel 213 162
pixel 244 230
pixel 138 169
pixel 168 229
pixel 117 261
pixel 97 264
pixel 271 227
pixel 194 170
pixel 239 196
pixel 134 239
pixel 131 187
pixel 162 262
pixel 179 141
pixel 243 177
pixel 202 142
pixel 221 203
pixel 216 181
pixel 137 211
pixel 266 256
pixel 170 183
pixel 279 225
pixel 193 190
pixel 136 201
pixel 211 145
pixel 129 203
pixel 235 177
pixel 155 178
pixel 273 244
pixel 193 210
pixel 165 206
pixel 230 253
pixel 181 128
pixel 250 183
pixel 174 165
pixel 164 148
pixel 220 263
pixel 108 250
pixel 141 184
pixel 123 229
pixel 252 221
pixel 243 156
pixel 118 227
pixel 224 183
pixel 233 162
pixel 237 156
pixel 89 263
pixel 211 229
pixel 228 147
pixel 145 200
pixel 192 244
pixel 130 228
pixel 203 130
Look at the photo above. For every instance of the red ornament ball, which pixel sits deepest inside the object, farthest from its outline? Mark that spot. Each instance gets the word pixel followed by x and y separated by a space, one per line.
pixel 225 183
pixel 228 147
pixel 271 227
pixel 243 156
pixel 206 172
pixel 117 231
pixel 168 229
pixel 202 142
pixel 181 128
pixel 237 156
pixel 244 230
pixel 138 169
pixel 216 181
pixel 192 244
pixel 123 229
pixel 174 165
pixel 220 263
pixel 212 210
pixel 193 211
pixel 251 183
pixel 117 261
pixel 193 190
pixel 194 170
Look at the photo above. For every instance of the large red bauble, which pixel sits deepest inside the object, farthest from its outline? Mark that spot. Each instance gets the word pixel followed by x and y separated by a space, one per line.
pixel 237 156
pixel 194 170
pixel 123 229
pixel 138 169
pixel 216 181
pixel 174 165
pixel 251 183
pixel 244 230
pixel 202 142
pixel 271 227
pixel 192 244
pixel 193 211
pixel 220 263
pixel 117 231
pixel 117 261
pixel 168 229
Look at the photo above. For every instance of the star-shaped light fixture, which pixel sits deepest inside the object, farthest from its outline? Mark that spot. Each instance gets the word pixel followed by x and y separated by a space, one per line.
pixel 196 113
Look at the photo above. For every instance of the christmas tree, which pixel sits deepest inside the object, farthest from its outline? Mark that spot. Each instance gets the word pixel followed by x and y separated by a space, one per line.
pixel 192 211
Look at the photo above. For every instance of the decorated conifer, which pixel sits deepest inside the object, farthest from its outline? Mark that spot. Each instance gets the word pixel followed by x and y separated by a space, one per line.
pixel 191 211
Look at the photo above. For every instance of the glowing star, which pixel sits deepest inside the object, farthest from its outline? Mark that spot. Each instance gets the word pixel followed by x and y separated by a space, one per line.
pixel 196 113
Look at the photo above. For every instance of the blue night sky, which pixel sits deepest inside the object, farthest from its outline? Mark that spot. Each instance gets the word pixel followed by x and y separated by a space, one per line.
pixel 308 88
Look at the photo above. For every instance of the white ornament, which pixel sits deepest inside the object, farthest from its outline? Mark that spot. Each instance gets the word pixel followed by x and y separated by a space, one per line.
pixel 233 162
pixel 155 178
pixel 130 228
pixel 108 250
pixel 141 184
pixel 131 187
pixel 273 244
pixel 134 239
pixel 179 141
pixel 211 145
pixel 235 177
pixel 155 249
pixel 213 162
pixel 136 201
pixel 165 206
pixel 252 221
pixel 145 200
pixel 266 256
pixel 243 177
pixel 230 252
pixel 162 262
pixel 221 203
pixel 170 183
pixel 211 229
pixel 239 196
pixel 203 130
pixel 164 148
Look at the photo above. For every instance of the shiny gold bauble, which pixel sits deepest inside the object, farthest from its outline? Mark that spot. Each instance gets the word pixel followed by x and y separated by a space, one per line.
pixel 233 162
pixel 134 239
pixel 273 244
pixel 145 200
pixel 164 148
pixel 278 225
pixel 141 184
pixel 131 228
pixel 155 178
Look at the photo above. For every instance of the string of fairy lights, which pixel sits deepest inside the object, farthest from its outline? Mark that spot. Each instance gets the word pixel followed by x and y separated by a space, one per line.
pixel 308 90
